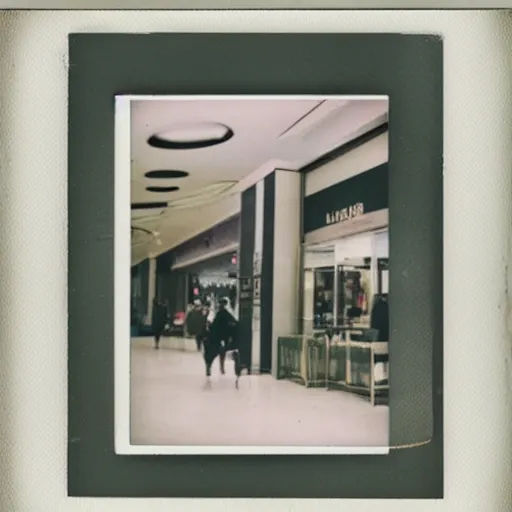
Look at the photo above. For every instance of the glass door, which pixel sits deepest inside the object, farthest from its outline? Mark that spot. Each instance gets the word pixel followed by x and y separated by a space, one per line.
pixel 323 308
pixel 319 293
pixel 354 292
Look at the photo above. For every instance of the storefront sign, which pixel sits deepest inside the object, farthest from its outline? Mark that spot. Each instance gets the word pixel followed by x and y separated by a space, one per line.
pixel 347 200
pixel 344 214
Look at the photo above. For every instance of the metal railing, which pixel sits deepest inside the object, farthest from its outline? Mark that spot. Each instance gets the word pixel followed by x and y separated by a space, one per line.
pixel 334 360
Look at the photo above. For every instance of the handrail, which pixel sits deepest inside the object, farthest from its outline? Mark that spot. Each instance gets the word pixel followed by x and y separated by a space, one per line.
pixel 312 355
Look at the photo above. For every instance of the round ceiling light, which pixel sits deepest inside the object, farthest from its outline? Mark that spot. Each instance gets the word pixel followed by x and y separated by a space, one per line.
pixel 162 189
pixel 166 174
pixel 191 136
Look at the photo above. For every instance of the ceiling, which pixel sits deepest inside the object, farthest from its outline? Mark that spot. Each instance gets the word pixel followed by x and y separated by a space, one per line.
pixel 267 133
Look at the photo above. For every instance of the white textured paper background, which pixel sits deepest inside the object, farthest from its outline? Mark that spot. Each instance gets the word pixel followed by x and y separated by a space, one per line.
pixel 478 225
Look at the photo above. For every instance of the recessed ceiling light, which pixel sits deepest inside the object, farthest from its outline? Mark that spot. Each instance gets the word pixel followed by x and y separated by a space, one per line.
pixel 162 189
pixel 166 174
pixel 191 136
pixel 149 206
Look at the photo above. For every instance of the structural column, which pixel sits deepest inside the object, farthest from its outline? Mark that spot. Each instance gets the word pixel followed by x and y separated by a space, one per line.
pixel 151 289
pixel 270 242
pixel 257 261
pixel 280 287
pixel 245 274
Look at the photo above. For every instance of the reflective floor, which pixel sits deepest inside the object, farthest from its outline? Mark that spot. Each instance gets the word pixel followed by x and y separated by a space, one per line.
pixel 172 405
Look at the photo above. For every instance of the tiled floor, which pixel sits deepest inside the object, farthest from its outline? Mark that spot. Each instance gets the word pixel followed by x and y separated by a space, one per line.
pixel 170 405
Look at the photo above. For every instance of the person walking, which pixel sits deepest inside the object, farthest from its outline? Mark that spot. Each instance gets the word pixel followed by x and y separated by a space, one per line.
pixel 196 323
pixel 158 321
pixel 222 337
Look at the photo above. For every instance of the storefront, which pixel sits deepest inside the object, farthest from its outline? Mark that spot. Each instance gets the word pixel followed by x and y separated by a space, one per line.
pixel 205 268
pixel 344 282
pixel 346 252
pixel 342 279
pixel 213 279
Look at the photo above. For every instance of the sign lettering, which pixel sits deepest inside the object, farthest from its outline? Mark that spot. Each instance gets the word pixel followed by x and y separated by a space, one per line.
pixel 345 214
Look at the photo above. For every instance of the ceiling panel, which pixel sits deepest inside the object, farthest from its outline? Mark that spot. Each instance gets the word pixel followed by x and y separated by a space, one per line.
pixel 292 131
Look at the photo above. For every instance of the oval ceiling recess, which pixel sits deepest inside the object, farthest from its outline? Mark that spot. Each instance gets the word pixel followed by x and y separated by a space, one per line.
pixel 191 136
pixel 162 189
pixel 166 174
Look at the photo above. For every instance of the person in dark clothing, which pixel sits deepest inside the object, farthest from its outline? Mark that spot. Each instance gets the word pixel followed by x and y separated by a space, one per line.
pixel 222 337
pixel 196 322
pixel 380 317
pixel 158 321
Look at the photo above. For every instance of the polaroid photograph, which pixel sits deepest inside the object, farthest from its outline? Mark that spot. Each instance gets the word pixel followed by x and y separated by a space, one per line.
pixel 251 275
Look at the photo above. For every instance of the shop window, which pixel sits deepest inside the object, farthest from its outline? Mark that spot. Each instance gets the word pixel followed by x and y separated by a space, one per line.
pixel 354 291
pixel 323 309
pixel 342 279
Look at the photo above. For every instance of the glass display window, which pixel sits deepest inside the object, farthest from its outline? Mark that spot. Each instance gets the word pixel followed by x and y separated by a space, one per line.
pixel 341 280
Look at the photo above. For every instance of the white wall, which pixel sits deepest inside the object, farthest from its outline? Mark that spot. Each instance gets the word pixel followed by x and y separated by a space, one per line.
pixel 258 249
pixel 360 246
pixel 318 259
pixel 308 298
pixel 363 158
pixel 382 244
pixel 286 257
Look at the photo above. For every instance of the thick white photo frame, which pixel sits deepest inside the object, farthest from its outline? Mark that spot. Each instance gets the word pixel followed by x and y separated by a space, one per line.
pixel 122 263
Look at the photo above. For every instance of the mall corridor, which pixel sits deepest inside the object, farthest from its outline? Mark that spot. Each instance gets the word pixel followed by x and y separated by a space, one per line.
pixel 170 405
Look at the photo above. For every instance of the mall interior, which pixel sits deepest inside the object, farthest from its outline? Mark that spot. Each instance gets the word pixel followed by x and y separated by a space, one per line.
pixel 297 242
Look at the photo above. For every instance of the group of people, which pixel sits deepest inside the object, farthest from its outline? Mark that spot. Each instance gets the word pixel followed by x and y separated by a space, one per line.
pixel 216 333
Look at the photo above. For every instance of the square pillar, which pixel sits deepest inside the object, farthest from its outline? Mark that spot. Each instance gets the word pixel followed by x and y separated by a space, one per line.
pixel 269 267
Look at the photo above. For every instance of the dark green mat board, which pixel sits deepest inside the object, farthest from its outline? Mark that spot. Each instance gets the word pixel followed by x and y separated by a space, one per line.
pixel 408 68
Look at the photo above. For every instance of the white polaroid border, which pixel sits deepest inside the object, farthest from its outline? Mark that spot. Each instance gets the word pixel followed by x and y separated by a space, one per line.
pixel 122 266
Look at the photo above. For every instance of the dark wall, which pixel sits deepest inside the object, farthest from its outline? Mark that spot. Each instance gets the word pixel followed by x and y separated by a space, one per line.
pixel 245 269
pixel 141 273
pixel 172 287
pixel 170 284
pixel 222 235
